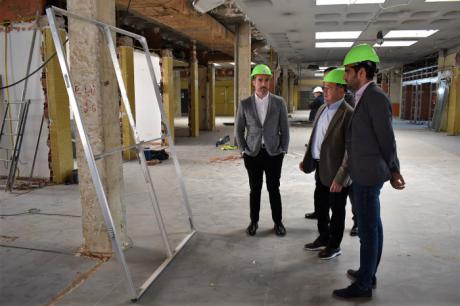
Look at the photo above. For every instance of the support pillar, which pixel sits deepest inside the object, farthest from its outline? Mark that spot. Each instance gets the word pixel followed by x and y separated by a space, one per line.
pixel 395 91
pixel 290 102
pixel 242 62
pixel 204 102
pixel 285 87
pixel 97 93
pixel 296 97
pixel 58 114
pixel 126 57
pixel 194 115
pixel 212 97
pixel 167 81
pixel 177 94
pixel 453 112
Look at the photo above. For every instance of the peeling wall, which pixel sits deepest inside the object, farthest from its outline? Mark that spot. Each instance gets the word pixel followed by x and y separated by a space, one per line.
pixel 16 53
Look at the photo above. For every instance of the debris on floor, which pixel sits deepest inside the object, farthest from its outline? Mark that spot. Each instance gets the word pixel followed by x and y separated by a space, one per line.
pixel 228 147
pixel 225 158
pixel 155 154
pixel 223 140
pixel 4 238
pixel 153 162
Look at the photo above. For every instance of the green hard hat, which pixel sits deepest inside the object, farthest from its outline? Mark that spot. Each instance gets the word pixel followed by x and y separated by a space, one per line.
pixel 261 69
pixel 336 76
pixel 361 53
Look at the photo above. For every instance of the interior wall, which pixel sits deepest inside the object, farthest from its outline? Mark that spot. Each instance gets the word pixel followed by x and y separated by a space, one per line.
pixel 148 116
pixel 16 51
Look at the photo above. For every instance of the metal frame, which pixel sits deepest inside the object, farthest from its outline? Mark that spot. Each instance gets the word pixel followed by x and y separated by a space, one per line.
pixel 107 31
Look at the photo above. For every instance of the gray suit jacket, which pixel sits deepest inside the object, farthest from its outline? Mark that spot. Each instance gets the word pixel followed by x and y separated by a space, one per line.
pixel 275 129
pixel 333 165
pixel 371 142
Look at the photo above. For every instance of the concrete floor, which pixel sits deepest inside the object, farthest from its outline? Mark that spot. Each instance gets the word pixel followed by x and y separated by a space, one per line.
pixel 223 266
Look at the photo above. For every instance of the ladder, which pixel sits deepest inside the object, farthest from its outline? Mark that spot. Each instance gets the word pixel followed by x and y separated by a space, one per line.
pixel 15 134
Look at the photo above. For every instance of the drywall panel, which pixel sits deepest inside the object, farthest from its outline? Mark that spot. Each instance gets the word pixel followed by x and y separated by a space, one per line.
pixel 148 117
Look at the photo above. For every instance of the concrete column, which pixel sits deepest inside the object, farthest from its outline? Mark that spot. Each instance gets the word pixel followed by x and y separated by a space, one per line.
pixel 96 90
pixel 290 102
pixel 296 97
pixel 58 114
pixel 194 109
pixel 242 62
pixel 453 111
pixel 212 97
pixel 61 158
pixel 177 94
pixel 167 81
pixel 204 102
pixel 285 87
pixel 395 89
pixel 126 58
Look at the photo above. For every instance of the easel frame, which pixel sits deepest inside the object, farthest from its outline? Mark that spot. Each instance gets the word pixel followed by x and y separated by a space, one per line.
pixel 107 31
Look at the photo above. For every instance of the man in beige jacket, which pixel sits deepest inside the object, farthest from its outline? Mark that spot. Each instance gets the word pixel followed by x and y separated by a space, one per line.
pixel 325 154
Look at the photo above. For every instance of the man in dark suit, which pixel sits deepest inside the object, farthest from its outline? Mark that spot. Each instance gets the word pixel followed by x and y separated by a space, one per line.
pixel 326 154
pixel 372 157
pixel 262 133
pixel 317 102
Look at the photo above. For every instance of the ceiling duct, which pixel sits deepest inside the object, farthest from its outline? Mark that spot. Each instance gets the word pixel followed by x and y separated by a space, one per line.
pixel 204 6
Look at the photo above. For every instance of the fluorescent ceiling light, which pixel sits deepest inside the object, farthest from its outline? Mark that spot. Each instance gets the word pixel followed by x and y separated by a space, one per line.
pixel 334 44
pixel 337 35
pixel 396 43
pixel 319 74
pixel 323 68
pixel 348 2
pixel 410 33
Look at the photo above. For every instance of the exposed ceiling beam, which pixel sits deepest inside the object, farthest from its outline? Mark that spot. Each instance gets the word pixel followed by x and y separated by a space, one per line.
pixel 180 16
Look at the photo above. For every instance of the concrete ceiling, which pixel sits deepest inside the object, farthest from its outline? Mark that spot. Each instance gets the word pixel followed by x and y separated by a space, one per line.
pixel 180 16
pixel 290 27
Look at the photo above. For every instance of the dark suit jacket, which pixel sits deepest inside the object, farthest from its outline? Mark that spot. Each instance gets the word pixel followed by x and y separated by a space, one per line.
pixel 333 161
pixel 275 128
pixel 314 106
pixel 371 145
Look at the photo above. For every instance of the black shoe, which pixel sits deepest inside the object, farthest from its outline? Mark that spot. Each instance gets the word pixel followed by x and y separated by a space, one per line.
pixel 329 253
pixel 352 291
pixel 315 245
pixel 252 229
pixel 354 230
pixel 353 275
pixel 279 229
pixel 311 215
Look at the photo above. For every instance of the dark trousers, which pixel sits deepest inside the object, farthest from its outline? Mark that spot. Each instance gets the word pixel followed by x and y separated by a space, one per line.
pixel 256 166
pixel 367 202
pixel 330 228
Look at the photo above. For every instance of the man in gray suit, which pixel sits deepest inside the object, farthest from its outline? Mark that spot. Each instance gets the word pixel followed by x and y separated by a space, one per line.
pixel 326 154
pixel 262 134
pixel 372 157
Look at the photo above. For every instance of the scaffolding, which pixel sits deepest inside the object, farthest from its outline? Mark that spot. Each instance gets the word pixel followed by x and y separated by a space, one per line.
pixel 414 87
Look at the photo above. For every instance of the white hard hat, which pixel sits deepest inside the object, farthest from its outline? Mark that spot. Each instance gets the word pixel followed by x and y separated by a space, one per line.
pixel 317 89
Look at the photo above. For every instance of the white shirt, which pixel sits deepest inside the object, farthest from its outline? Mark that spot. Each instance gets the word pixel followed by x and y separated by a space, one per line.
pixel 262 107
pixel 321 127
pixel 360 91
